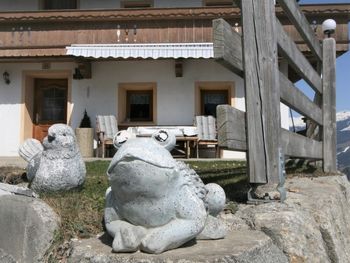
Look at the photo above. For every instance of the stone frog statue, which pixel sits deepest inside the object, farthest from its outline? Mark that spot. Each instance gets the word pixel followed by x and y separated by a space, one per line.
pixel 56 164
pixel 156 203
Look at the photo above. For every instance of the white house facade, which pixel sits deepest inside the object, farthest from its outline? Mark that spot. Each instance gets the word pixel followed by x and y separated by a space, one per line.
pixel 47 82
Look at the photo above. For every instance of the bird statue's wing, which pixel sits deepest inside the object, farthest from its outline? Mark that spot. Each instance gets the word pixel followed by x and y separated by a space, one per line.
pixel 29 149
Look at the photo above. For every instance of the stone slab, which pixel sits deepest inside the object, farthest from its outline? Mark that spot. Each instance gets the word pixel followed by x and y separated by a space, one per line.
pixel 18 190
pixel 238 246
pixel 27 228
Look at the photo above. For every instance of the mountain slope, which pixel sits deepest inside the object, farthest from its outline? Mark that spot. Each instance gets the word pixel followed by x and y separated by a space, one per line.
pixel 343 137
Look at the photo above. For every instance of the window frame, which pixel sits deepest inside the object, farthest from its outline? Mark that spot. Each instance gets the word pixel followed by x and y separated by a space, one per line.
pixel 211 3
pixel 129 4
pixel 213 86
pixel 123 108
pixel 42 6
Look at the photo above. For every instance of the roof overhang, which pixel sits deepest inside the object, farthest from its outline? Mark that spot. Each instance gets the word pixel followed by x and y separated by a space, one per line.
pixel 143 51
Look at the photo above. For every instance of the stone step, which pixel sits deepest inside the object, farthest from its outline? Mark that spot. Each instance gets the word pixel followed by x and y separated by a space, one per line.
pixel 238 246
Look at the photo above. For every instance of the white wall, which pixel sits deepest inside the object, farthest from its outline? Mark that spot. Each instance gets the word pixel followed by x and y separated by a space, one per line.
pixel 175 96
pixel 99 95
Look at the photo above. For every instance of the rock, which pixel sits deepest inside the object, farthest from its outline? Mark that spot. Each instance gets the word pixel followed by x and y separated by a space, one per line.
pixel 13 189
pixel 27 228
pixel 238 246
pixel 312 225
pixel 6 258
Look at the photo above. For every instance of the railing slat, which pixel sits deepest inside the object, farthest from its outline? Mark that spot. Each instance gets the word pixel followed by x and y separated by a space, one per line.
pixel 227 46
pixel 232 135
pixel 291 8
pixel 297 59
pixel 295 145
pixel 294 98
pixel 329 107
pixel 231 128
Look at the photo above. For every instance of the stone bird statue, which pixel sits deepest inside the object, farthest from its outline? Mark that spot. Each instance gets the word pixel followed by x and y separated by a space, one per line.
pixel 56 164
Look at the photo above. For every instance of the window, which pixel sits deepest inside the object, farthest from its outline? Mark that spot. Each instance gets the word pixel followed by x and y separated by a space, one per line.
pixel 59 4
pixel 218 3
pixel 136 3
pixel 137 103
pixel 211 94
pixel 212 98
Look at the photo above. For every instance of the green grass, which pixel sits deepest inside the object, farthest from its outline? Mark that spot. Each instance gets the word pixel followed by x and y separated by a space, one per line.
pixel 81 211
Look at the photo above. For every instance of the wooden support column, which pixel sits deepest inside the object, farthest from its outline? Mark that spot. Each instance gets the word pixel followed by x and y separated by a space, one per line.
pixel 262 90
pixel 329 106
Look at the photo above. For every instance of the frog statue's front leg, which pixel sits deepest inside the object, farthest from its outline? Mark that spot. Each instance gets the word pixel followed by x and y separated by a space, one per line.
pixel 189 221
pixel 126 237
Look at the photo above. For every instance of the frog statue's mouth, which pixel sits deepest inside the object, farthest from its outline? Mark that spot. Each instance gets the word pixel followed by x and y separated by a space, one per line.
pixel 146 150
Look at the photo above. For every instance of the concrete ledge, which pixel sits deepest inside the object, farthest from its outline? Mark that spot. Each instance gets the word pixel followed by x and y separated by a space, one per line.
pixel 238 246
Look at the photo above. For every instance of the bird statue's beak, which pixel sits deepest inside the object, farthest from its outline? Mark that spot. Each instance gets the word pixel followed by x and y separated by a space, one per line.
pixel 50 138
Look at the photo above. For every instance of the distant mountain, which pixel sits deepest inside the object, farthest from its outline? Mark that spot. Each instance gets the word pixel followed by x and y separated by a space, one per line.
pixel 343 138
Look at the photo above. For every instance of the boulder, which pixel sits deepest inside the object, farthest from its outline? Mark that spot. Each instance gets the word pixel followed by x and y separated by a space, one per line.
pixel 27 226
pixel 312 225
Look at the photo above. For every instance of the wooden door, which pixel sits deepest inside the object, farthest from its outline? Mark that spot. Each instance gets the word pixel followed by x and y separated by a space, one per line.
pixel 50 105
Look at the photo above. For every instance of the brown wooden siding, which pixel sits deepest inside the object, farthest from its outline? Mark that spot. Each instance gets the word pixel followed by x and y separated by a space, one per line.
pixel 56 30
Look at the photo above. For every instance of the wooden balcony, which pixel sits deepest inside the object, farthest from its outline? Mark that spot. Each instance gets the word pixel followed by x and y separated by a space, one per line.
pixel 47 33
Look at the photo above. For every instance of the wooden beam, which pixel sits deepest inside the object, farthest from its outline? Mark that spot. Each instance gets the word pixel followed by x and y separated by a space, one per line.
pixel 294 98
pixel 329 106
pixel 291 8
pixel 231 128
pixel 232 135
pixel 262 90
pixel 295 145
pixel 227 46
pixel 229 54
pixel 297 60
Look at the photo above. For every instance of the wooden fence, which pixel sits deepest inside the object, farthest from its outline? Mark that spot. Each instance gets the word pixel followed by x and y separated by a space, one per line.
pixel 254 55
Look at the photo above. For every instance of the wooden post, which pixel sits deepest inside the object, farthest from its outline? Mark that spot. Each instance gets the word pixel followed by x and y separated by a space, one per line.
pixel 329 106
pixel 262 90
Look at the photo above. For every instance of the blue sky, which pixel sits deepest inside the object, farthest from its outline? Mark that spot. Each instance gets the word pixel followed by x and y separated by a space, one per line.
pixel 342 67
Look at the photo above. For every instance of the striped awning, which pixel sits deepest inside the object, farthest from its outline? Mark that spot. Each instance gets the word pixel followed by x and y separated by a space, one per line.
pixel 154 51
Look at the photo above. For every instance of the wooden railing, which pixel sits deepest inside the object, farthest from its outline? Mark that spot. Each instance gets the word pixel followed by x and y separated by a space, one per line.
pixel 254 56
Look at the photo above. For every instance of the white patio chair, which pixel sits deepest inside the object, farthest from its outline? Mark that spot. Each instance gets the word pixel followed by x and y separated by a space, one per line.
pixel 106 128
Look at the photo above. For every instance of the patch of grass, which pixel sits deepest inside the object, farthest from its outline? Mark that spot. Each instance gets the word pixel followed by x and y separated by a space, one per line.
pixel 81 211
pixel 12 175
pixel 304 168
pixel 231 175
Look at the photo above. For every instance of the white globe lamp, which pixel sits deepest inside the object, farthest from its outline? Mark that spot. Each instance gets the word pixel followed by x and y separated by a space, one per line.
pixel 328 27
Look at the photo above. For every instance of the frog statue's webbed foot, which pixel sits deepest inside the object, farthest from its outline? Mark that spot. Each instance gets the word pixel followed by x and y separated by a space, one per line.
pixel 127 237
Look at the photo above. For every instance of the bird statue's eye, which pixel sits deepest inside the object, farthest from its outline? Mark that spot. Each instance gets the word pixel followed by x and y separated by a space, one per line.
pixel 64 134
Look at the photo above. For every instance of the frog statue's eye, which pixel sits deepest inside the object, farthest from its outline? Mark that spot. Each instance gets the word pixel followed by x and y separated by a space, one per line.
pixel 64 134
pixel 165 139
pixel 120 138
